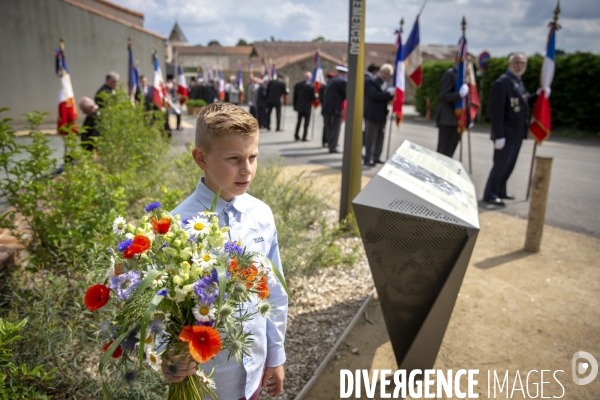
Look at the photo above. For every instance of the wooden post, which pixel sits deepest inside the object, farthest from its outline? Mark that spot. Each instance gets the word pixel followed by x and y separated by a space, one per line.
pixel 531 171
pixel 537 206
pixel 469 150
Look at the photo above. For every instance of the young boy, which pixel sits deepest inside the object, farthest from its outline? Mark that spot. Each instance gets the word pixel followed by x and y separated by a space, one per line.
pixel 227 150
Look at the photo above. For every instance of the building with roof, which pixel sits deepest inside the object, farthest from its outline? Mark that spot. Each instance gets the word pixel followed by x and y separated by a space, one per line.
pixel 95 33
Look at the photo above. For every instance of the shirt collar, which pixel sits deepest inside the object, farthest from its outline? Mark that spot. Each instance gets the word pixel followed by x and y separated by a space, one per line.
pixel 512 76
pixel 206 196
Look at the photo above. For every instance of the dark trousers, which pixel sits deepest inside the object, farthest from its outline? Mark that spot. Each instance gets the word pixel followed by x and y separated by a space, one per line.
pixel 448 139
pixel 324 137
pixel 333 124
pixel 306 117
pixel 252 111
pixel 374 136
pixel 277 108
pixel 262 117
pixel 504 163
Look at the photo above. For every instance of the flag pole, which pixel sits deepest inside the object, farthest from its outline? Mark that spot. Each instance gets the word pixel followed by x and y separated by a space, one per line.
pixel 460 154
pixel 422 7
pixel 468 110
pixel 553 25
pixel 392 116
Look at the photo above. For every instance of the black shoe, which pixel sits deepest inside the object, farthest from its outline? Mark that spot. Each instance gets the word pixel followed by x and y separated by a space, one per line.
pixel 296 138
pixel 508 197
pixel 279 130
pixel 334 151
pixel 496 202
pixel 325 145
pixel 378 161
pixel 369 164
pixel 304 139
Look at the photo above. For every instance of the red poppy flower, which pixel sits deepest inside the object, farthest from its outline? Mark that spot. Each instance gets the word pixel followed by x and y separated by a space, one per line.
pixel 161 226
pixel 118 351
pixel 205 342
pixel 140 244
pixel 96 297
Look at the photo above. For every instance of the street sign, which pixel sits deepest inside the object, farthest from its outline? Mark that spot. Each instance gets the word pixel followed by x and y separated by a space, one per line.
pixel 482 59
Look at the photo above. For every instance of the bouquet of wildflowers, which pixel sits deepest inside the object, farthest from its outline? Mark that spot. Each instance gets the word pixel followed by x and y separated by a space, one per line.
pixel 177 288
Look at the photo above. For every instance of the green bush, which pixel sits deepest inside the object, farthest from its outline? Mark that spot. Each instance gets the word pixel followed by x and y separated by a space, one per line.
pixel 17 382
pixel 196 103
pixel 575 96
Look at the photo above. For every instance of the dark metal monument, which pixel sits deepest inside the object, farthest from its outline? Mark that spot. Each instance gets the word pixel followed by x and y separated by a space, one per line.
pixel 418 220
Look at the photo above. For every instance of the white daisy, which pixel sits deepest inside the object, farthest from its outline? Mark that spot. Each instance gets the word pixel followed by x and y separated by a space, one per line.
pixel 205 260
pixel 149 343
pixel 154 360
pixel 210 383
pixel 198 225
pixel 119 225
pixel 204 312
pixel 160 278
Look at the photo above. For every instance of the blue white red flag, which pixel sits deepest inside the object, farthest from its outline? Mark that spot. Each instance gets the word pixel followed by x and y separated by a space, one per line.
pixel 209 75
pixel 399 79
pixel 412 56
pixel 67 113
pixel 274 72
pixel 240 82
pixel 133 77
pixel 159 90
pixel 542 116
pixel 221 86
pixel 460 107
pixel 318 79
pixel 181 86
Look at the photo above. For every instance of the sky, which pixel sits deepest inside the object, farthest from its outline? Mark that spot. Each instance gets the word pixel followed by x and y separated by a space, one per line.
pixel 498 26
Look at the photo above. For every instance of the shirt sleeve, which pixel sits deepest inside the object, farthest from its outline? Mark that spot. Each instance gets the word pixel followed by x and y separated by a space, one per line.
pixel 277 324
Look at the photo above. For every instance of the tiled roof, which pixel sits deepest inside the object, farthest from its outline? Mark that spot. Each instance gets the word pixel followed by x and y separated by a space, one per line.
pixel 177 34
pixel 216 50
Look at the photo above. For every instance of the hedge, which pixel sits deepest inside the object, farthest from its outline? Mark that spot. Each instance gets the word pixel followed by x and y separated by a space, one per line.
pixel 575 97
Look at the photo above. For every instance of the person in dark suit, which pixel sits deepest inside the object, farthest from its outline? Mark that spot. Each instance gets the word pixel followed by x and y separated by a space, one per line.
pixel 509 116
pixel 88 107
pixel 304 95
pixel 445 118
pixel 110 86
pixel 322 91
pixel 275 89
pixel 372 70
pixel 376 111
pixel 332 107
pixel 261 105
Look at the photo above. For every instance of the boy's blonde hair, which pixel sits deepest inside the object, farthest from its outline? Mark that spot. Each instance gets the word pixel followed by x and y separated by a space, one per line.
pixel 218 119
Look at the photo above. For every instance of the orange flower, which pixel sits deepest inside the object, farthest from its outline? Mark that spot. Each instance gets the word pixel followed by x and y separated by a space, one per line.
pixel 234 267
pixel 205 342
pixel 140 244
pixel 161 226
pixel 263 288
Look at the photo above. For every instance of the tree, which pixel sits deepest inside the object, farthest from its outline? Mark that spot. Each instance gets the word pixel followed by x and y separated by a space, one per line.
pixel 242 42
pixel 214 42
pixel 319 39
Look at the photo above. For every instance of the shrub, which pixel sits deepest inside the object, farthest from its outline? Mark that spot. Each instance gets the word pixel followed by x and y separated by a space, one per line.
pixel 196 103
pixel 575 96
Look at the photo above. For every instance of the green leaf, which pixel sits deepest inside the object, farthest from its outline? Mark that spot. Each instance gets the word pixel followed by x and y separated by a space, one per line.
pixel 222 275
pixel 213 206
pixel 145 321
pixel 108 353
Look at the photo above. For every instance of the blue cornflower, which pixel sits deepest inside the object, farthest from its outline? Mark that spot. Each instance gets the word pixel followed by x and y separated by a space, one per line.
pixel 186 220
pixel 205 323
pixel 111 251
pixel 125 284
pixel 124 245
pixel 232 248
pixel 163 292
pixel 207 289
pixel 152 206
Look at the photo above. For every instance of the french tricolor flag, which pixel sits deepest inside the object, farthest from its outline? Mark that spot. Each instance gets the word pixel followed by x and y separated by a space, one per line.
pixel 221 86
pixel 159 92
pixel 318 79
pixel 67 113
pixel 412 56
pixel 399 79
pixel 460 107
pixel 240 82
pixel 181 86
pixel 541 118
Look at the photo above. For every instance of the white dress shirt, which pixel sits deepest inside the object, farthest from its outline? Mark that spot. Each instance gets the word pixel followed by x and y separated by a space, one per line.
pixel 251 222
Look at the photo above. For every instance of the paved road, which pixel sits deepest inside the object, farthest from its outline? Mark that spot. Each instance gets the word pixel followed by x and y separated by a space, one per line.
pixel 574 188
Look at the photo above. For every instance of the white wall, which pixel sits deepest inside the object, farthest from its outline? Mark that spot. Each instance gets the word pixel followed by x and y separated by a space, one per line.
pixel 94 45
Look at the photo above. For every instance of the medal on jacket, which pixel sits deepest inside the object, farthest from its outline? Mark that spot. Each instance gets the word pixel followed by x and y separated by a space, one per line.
pixel 514 103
